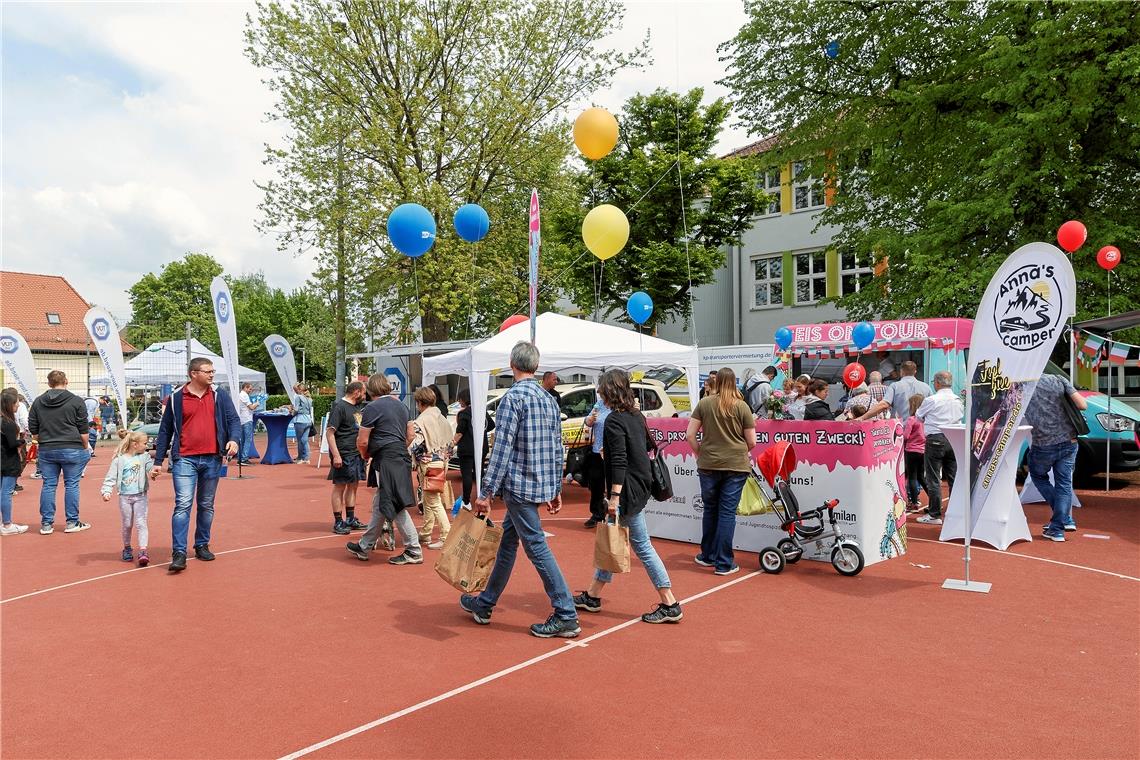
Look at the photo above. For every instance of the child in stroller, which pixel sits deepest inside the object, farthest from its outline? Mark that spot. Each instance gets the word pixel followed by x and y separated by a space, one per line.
pixel 775 466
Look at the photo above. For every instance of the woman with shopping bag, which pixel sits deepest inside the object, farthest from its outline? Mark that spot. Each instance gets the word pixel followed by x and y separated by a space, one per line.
pixel 431 442
pixel 627 470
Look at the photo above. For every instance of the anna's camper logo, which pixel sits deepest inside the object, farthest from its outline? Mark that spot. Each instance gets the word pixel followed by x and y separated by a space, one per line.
pixel 1028 309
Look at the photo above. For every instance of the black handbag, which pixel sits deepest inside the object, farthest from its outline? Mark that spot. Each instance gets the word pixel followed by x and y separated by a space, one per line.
pixel 1075 416
pixel 660 484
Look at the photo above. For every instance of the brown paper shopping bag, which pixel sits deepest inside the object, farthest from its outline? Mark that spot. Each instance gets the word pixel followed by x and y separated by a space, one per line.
pixel 468 555
pixel 611 547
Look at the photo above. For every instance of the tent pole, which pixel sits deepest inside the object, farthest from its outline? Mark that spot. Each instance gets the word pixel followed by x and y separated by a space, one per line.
pixel 189 337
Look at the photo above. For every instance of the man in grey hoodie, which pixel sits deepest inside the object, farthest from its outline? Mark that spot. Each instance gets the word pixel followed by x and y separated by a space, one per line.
pixel 58 420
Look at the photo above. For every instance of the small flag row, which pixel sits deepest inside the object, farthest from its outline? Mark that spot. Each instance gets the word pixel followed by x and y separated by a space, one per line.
pixel 832 351
pixel 1093 349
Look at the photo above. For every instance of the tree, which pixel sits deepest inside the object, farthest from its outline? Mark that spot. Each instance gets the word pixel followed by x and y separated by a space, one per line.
pixel 162 304
pixel 956 132
pixel 683 204
pixel 439 103
pixel 180 293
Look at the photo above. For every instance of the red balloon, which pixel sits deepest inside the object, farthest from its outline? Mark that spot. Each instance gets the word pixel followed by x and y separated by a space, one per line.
pixel 512 321
pixel 1108 257
pixel 854 374
pixel 1072 235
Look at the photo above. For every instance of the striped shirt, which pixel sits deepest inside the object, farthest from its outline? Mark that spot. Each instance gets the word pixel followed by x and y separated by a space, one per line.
pixel 526 458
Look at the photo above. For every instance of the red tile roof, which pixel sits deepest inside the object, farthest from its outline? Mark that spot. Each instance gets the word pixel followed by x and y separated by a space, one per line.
pixel 753 149
pixel 27 299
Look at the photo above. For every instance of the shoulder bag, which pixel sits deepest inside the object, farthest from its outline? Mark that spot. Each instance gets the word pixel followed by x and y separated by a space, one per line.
pixel 1074 414
pixel 660 484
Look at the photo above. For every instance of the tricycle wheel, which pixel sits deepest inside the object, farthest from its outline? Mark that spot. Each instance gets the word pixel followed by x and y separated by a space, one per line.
pixel 792 551
pixel 847 559
pixel 771 560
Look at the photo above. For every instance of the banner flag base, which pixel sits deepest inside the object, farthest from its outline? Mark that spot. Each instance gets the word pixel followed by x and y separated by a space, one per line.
pixel 955 585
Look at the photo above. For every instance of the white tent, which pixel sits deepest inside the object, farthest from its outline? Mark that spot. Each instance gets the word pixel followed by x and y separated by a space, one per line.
pixel 165 363
pixel 562 342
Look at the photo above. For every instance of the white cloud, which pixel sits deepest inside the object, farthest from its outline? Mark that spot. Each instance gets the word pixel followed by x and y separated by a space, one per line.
pixel 133 133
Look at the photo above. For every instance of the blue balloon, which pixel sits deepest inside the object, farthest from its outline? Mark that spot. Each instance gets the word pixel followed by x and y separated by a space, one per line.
pixel 639 307
pixel 411 228
pixel 863 335
pixel 783 338
pixel 832 49
pixel 471 222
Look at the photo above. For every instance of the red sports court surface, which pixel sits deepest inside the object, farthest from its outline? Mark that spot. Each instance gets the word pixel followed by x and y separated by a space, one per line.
pixel 288 645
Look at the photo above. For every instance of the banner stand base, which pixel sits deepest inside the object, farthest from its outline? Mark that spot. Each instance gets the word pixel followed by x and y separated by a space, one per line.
pixel 956 585
pixel 240 477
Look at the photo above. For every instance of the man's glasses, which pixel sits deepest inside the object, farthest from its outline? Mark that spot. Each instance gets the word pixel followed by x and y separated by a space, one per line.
pixel 205 371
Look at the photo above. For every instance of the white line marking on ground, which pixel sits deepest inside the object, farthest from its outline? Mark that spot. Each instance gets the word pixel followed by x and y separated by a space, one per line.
pixel 974 547
pixel 1096 535
pixel 568 647
pixel 156 565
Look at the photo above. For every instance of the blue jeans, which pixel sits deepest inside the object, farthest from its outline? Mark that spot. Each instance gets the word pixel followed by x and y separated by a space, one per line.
pixel 92 437
pixel 301 433
pixel 1060 458
pixel 643 548
pixel 69 463
pixel 246 447
pixel 7 487
pixel 522 522
pixel 198 473
pixel 720 492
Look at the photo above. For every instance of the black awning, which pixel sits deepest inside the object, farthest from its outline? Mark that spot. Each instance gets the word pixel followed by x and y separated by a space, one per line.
pixel 1111 324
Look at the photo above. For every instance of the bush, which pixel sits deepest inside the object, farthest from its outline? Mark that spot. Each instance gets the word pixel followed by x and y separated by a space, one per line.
pixel 276 400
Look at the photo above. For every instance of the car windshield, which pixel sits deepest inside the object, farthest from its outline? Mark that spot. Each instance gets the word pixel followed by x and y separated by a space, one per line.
pixel 664 375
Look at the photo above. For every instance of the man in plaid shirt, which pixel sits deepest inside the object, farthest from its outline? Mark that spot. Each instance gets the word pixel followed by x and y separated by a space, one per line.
pixel 526 470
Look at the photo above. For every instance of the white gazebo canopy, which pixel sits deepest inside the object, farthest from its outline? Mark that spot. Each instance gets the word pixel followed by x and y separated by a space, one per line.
pixel 165 363
pixel 562 342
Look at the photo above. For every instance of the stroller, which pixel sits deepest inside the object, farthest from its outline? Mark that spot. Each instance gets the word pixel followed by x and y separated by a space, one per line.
pixel 774 466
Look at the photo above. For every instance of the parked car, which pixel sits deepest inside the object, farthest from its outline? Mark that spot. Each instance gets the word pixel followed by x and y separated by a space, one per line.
pixel 577 401
pixel 579 398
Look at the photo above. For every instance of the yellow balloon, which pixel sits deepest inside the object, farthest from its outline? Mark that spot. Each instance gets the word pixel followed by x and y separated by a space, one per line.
pixel 595 133
pixel 605 231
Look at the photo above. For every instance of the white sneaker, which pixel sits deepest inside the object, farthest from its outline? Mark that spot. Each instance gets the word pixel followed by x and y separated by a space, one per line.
pixel 13 529
pixel 46 529
pixel 928 520
pixel 435 545
pixel 75 527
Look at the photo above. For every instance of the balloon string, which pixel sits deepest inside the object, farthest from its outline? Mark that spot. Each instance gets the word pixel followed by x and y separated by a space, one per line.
pixel 680 176
pixel 419 310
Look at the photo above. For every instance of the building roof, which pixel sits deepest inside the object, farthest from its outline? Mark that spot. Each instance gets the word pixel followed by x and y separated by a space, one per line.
pixel 29 301
pixel 754 149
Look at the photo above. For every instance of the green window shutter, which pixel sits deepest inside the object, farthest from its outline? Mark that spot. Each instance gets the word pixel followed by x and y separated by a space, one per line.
pixel 789 279
pixel 832 259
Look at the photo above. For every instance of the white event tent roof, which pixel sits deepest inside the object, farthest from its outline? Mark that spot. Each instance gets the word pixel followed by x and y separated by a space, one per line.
pixel 562 342
pixel 165 363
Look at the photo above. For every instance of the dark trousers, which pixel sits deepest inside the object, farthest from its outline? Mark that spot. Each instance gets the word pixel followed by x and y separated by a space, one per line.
pixel 940 463
pixel 467 473
pixel 915 462
pixel 596 480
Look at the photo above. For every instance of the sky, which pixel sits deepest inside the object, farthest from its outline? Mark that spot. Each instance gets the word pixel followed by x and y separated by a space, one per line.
pixel 134 133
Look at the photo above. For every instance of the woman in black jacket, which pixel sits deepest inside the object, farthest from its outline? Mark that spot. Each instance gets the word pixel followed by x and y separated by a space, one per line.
pixel 817 407
pixel 626 444
pixel 10 463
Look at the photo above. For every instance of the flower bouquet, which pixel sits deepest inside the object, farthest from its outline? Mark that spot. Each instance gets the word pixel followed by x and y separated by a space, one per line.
pixel 774 404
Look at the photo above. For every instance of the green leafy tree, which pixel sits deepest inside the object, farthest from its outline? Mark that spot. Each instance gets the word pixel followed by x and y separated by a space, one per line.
pixel 683 204
pixel 162 304
pixel 956 132
pixel 438 103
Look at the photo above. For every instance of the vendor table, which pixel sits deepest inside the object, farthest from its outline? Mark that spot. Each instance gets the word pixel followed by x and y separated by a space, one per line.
pixel 276 447
pixel 1002 520
pixel 859 463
